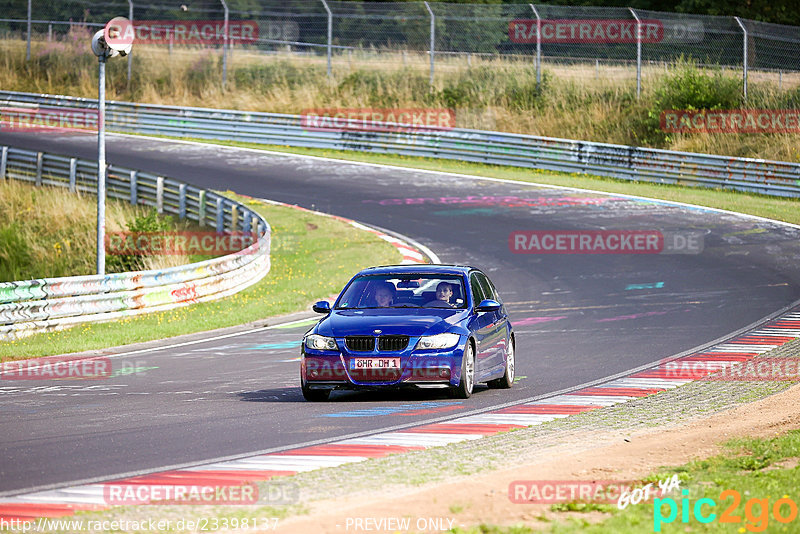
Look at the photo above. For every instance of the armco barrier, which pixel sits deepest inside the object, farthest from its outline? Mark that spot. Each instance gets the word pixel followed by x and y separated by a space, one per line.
pixel 32 306
pixel 619 161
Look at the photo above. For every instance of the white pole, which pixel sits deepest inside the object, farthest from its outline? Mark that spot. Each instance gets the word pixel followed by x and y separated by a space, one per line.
pixel 538 46
pixel 225 45
pixel 130 57
pixel 744 56
pixel 433 38
pixel 101 167
pixel 330 35
pixel 638 53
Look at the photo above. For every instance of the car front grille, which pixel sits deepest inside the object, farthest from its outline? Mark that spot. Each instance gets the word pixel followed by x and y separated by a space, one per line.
pixel 392 343
pixel 385 343
pixel 360 343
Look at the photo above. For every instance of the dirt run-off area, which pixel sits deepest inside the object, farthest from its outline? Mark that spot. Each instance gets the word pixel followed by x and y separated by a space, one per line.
pixel 483 497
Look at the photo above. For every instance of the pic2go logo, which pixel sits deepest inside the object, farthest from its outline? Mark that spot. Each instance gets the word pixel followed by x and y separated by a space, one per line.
pixel 756 511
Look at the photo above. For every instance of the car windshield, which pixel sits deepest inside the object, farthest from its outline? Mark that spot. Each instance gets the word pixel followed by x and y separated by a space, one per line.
pixel 403 291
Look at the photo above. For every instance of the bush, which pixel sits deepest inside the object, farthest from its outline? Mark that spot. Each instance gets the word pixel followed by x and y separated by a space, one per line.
pixel 687 87
pixel 150 223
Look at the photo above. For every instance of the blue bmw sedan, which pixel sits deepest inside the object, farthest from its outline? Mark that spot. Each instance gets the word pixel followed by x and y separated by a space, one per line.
pixel 437 326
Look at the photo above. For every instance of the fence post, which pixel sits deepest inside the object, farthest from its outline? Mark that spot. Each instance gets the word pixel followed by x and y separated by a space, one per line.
pixel 744 56
pixel 28 51
pixel 638 53
pixel 225 45
pixel 538 46
pixel 330 35
pixel 3 163
pixel 73 178
pixel 433 39
pixel 130 56
pixel 220 216
pixel 160 195
pixel 182 201
pixel 39 158
pixel 134 192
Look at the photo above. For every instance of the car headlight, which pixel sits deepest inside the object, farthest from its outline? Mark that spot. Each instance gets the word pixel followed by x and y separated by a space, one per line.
pixel 439 341
pixel 318 342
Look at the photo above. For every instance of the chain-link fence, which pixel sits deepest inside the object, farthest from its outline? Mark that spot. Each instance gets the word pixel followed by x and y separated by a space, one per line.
pixel 437 37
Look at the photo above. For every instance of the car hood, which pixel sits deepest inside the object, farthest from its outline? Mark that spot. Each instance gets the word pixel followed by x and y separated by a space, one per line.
pixel 393 321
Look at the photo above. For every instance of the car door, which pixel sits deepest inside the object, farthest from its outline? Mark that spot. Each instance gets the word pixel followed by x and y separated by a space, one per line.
pixel 482 325
pixel 496 325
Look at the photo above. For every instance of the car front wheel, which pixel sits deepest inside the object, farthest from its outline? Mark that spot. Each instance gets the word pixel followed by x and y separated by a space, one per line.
pixel 467 381
pixel 313 395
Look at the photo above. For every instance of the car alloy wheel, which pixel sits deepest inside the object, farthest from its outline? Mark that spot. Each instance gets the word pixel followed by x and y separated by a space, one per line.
pixel 467 379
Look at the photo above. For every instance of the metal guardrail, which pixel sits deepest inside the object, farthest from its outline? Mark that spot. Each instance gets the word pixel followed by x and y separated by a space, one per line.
pixel 31 306
pixel 498 148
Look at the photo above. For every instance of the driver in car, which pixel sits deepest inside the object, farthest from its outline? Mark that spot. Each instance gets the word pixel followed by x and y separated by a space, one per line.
pixel 444 292
pixel 384 295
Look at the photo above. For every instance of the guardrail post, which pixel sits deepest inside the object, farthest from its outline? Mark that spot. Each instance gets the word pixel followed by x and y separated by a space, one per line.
pixel 134 189
pixel 638 53
pixel 234 217
pixel 744 56
pixel 225 45
pixel 3 163
pixel 39 158
pixel 220 216
pixel 28 50
pixel 160 195
pixel 247 221
pixel 201 209
pixel 182 201
pixel 73 167
pixel 330 35
pixel 433 39
pixel 538 46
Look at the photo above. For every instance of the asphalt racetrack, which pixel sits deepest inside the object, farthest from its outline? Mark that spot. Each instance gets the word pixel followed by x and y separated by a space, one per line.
pixel 578 317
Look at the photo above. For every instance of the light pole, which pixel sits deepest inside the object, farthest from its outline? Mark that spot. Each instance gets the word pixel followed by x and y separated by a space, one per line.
pixel 116 39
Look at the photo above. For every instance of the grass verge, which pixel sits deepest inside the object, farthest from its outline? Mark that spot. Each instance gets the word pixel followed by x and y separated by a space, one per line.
pixel 312 258
pixel 751 487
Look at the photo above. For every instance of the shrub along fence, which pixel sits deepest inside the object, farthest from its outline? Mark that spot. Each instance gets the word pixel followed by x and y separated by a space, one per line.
pixel 32 306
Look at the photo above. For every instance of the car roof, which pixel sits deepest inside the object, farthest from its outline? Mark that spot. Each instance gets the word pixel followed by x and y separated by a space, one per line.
pixel 424 268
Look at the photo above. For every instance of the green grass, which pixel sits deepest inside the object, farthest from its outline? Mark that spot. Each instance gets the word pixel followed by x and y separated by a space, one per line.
pixel 760 470
pixel 782 209
pixel 312 258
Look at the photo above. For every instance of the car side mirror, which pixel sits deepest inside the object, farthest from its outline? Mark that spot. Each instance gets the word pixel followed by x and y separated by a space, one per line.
pixel 487 305
pixel 322 307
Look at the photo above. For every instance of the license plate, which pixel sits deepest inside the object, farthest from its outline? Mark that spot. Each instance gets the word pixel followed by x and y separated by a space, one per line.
pixel 374 363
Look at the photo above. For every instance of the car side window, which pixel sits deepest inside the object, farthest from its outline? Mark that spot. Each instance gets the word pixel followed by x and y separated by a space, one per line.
pixel 477 291
pixel 488 288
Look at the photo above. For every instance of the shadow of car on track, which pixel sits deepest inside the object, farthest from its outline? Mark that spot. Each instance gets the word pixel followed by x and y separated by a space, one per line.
pixel 292 394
